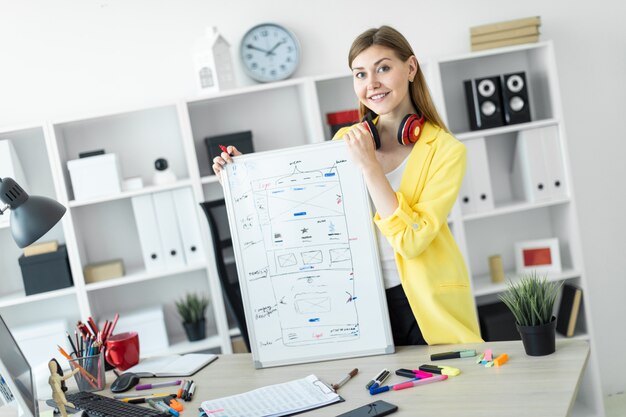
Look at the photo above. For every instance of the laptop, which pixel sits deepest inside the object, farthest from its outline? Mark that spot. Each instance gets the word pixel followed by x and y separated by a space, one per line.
pixel 17 373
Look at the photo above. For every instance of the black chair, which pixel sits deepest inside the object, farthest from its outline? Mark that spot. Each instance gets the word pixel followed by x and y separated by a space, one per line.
pixel 220 233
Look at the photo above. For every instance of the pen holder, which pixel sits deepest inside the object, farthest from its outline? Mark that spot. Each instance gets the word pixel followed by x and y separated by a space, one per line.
pixel 91 375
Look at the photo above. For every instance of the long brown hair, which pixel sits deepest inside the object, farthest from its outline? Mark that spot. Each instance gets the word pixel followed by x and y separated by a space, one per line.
pixel 418 90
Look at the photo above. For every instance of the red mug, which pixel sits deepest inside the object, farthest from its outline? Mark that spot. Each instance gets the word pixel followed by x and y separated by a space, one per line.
pixel 123 350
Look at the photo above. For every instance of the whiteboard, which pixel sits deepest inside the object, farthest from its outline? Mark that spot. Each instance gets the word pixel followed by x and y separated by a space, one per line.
pixel 306 255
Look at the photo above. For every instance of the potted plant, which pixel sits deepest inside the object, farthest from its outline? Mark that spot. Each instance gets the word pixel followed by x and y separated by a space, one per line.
pixel 531 300
pixel 192 309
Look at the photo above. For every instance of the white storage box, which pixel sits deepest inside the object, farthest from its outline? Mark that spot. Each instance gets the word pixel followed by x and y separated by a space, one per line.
pixel 150 325
pixel 95 176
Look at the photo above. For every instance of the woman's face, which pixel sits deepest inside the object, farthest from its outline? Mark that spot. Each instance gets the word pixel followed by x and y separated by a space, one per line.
pixel 381 79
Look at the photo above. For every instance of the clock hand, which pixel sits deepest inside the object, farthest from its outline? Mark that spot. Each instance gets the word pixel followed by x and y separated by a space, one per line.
pixel 250 46
pixel 271 51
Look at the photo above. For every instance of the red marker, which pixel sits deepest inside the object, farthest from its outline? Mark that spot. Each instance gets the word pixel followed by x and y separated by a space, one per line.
pixel 225 149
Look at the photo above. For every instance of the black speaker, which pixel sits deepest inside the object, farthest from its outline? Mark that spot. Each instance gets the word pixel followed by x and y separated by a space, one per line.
pixel 484 102
pixel 515 98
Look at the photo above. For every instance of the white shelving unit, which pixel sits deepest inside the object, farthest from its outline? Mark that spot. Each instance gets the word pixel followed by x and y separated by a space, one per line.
pixel 281 114
pixel 512 218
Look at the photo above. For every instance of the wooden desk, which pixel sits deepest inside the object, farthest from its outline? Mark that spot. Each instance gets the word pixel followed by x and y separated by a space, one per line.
pixel 524 386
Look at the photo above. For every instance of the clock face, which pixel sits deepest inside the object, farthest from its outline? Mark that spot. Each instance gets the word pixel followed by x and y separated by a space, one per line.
pixel 269 52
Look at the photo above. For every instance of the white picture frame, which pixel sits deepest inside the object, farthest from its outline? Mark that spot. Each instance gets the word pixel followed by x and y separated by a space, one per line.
pixel 541 256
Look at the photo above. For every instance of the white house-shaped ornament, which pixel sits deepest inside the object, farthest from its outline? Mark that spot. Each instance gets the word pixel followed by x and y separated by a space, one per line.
pixel 213 63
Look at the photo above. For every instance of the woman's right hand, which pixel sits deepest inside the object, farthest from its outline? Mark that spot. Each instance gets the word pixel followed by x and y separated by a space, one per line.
pixel 223 159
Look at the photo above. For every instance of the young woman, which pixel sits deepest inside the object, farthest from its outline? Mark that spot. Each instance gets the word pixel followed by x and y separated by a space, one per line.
pixel 412 187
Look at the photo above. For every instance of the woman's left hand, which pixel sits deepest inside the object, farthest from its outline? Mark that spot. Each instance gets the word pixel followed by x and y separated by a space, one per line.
pixel 361 150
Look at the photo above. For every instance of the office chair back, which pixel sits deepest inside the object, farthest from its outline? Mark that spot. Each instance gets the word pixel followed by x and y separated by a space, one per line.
pixel 230 284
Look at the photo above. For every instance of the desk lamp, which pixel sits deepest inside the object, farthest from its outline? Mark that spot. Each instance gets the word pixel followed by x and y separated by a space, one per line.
pixel 31 216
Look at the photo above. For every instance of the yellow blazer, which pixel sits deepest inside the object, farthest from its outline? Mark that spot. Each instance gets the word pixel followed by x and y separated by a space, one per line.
pixel 430 264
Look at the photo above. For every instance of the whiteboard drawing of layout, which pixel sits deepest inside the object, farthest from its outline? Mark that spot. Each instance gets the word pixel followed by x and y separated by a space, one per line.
pixel 306 256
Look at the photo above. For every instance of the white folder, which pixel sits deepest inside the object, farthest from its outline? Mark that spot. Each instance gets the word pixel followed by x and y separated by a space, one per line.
pixel 530 172
pixel 476 191
pixel 187 216
pixel 148 230
pixel 557 183
pixel 168 228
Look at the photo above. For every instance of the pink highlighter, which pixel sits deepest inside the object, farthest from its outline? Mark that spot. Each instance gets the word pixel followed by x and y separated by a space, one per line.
pixel 411 384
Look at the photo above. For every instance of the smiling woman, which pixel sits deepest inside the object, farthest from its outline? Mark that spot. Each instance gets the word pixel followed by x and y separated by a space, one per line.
pixel 413 168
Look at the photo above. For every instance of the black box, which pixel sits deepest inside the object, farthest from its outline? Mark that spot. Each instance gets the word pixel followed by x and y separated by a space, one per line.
pixel 497 323
pixel 240 140
pixel 46 272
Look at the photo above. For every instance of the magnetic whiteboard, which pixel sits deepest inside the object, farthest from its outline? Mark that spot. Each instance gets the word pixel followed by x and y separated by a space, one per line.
pixel 306 256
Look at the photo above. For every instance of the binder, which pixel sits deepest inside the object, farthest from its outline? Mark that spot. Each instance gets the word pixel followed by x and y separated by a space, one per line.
pixel 148 230
pixel 538 169
pixel 171 243
pixel 553 154
pixel 476 191
pixel 571 298
pixel 187 216
pixel 530 173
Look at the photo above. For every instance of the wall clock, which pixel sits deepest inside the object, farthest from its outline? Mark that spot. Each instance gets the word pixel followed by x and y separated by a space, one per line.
pixel 269 52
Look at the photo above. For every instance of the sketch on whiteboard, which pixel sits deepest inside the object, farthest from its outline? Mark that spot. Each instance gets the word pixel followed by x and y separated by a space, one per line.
pixel 298 259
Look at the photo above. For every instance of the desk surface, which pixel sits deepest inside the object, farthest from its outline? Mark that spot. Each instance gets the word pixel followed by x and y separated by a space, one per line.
pixel 524 386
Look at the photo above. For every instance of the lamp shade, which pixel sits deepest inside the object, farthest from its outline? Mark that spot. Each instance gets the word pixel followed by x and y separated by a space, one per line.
pixel 31 216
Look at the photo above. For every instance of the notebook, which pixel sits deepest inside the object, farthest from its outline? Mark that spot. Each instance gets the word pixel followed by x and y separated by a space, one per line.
pixel 275 400
pixel 172 365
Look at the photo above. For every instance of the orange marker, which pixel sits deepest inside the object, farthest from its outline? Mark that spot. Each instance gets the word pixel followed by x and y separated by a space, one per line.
pixel 176 405
pixel 501 360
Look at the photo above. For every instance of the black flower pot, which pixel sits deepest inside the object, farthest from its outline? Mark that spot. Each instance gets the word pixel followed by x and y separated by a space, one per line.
pixel 538 340
pixel 195 331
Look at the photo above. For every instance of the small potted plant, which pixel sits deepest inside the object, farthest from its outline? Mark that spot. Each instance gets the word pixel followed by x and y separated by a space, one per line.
pixel 192 309
pixel 531 300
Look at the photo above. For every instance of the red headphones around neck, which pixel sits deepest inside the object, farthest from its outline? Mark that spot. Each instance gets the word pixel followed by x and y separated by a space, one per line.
pixel 409 130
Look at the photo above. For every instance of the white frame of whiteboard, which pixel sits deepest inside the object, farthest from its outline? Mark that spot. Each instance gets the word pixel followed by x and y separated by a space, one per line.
pixel 330 148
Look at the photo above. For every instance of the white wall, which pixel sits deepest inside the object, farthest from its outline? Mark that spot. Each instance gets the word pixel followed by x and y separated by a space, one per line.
pixel 66 58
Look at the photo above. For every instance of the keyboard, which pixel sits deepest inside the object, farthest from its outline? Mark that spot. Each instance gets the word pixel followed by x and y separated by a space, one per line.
pixel 100 406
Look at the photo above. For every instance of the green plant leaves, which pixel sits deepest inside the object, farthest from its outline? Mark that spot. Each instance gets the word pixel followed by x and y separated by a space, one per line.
pixel 192 307
pixel 531 299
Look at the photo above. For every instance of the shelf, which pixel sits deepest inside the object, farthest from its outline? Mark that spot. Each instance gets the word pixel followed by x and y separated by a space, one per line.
pixel 513 207
pixel 185 346
pixel 483 286
pixel 580 336
pixel 129 194
pixel 19 297
pixel 505 129
pixel 248 89
pixel 140 276
pixel 209 179
pixel 494 51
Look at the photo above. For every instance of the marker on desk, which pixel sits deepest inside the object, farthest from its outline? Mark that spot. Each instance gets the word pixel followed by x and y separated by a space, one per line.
pixel 157 384
pixel 192 389
pixel 453 355
pixel 416 382
pixel 377 378
pixel 443 370
pixel 413 373
pixel 161 406
pixel 345 379
pixel 380 379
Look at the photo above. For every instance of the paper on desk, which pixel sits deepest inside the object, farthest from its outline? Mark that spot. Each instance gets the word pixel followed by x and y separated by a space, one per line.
pixel 274 400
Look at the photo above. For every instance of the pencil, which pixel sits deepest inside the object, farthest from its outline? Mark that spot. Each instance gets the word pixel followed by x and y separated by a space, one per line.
pixel 90 378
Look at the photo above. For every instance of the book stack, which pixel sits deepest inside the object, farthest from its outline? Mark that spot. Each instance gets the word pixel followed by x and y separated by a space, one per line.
pixel 512 32
pixel 41 248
